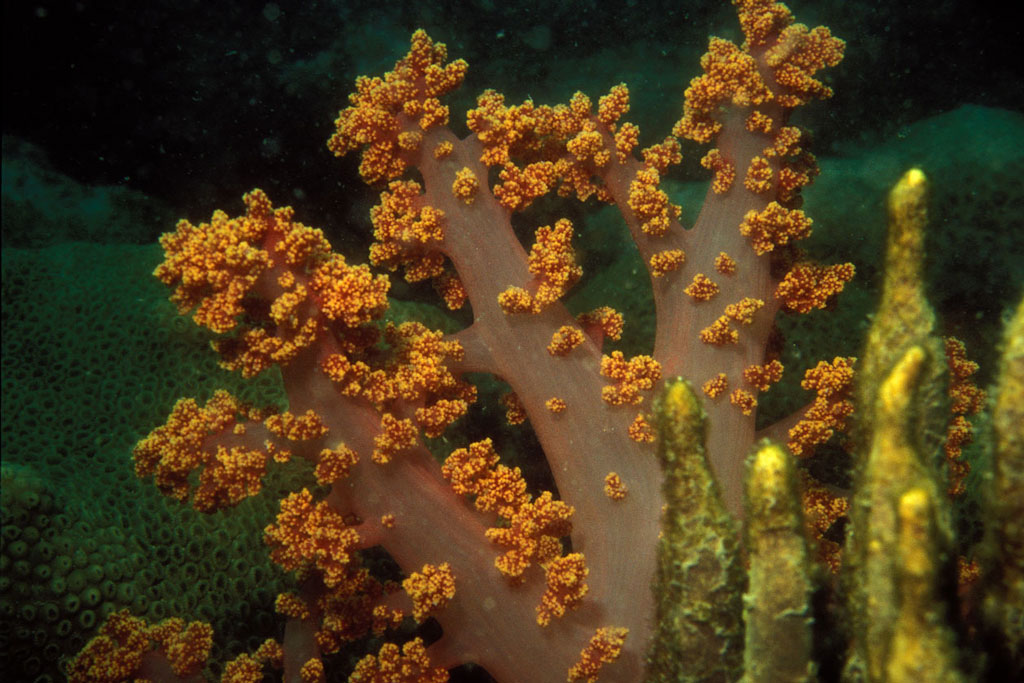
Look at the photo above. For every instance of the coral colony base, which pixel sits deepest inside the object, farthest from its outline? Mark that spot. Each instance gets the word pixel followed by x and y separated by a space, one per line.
pixel 675 548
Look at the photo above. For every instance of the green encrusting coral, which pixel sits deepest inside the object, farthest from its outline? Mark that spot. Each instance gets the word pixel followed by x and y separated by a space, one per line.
pixel 92 351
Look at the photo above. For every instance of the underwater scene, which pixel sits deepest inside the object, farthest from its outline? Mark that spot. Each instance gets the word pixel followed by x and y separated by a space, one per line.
pixel 472 341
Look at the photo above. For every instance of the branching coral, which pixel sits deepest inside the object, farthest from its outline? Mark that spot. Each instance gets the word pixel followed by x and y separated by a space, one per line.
pixel 489 560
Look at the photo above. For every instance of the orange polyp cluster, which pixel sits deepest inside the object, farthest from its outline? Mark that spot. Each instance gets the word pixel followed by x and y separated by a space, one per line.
pixel 763 376
pixel 539 146
pixel 532 535
pixel 534 526
pixel 702 288
pixel 724 170
pixel 613 486
pixel 564 340
pixel 630 377
pixel 518 187
pixel 650 204
pixel 465 185
pixel 833 383
pixel 416 373
pixel 760 20
pixel 308 534
pixel 420 373
pixel 627 137
pixel 407 233
pixel 759 122
pixel 720 332
pixel 334 463
pixel 612 106
pixel 296 427
pixel 213 265
pixel 218 267
pixel 384 112
pixel 537 137
pixel 312 671
pixel 730 76
pixel 502 129
pixel 743 310
pixel 808 286
pixel 744 400
pixel 773 227
pixel 725 264
pixel 115 653
pixel 716 386
pixel 173 451
pixel 662 155
pixel 439 415
pixel 967 399
pixel 552 262
pixel 797 54
pixel 430 589
pixel 350 377
pixel 352 295
pixel 186 647
pixel 759 176
pixel 588 145
pixel 603 320
pixel 556 405
pixel 450 288
pixel 640 430
pixel 785 143
pixel 604 648
pixel 394 437
pixel 566 585
pixel 292 606
pixel 467 468
pixel 410 665
pixel 821 510
pixel 352 608
pixel 246 668
pixel 664 262
pixel 231 476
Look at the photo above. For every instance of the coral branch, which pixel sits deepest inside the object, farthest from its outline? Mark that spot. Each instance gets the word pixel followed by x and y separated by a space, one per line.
pixel 549 585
